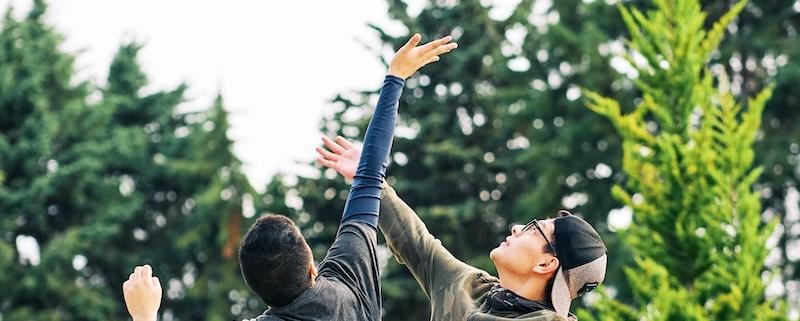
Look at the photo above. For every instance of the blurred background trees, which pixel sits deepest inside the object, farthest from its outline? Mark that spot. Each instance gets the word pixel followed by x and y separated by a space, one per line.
pixel 102 178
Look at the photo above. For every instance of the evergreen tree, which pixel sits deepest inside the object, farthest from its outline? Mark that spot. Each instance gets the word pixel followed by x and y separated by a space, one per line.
pixel 191 189
pixel 100 186
pixel 53 182
pixel 213 230
pixel 762 49
pixel 697 233
pixel 144 126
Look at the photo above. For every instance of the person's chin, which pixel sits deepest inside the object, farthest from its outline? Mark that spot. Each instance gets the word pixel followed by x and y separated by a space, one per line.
pixel 495 252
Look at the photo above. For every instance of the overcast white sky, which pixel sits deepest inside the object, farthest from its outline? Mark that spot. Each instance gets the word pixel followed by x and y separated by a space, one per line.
pixel 275 63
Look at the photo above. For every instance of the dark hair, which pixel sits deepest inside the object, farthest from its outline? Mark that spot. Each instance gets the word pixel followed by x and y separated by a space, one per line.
pixel 274 259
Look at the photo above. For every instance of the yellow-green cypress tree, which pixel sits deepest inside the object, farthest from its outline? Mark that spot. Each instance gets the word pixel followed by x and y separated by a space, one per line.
pixel 697 233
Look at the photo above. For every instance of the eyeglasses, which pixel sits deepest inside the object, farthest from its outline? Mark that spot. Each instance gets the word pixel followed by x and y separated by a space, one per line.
pixel 534 223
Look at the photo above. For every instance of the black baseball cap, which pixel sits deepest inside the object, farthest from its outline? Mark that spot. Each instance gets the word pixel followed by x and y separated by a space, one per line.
pixel 583 258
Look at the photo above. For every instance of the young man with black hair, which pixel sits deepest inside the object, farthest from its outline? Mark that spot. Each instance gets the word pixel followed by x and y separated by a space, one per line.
pixel 542 266
pixel 276 261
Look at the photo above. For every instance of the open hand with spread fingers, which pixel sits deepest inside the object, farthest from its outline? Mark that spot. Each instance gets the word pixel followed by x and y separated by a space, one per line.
pixel 341 156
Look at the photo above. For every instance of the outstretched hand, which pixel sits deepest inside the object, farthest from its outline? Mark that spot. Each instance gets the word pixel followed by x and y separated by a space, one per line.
pixel 341 156
pixel 142 293
pixel 410 58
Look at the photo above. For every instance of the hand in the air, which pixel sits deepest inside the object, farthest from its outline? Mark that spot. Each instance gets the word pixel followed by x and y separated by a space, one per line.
pixel 341 156
pixel 410 58
pixel 142 293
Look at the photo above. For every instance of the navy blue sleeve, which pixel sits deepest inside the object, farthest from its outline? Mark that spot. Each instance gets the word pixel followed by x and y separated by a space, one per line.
pixel 364 199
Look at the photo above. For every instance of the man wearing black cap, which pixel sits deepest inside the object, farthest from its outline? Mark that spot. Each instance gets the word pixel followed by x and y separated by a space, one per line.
pixel 542 266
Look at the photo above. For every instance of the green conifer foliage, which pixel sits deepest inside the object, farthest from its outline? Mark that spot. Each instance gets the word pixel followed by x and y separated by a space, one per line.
pixel 190 188
pixel 49 151
pixel 100 180
pixel 697 233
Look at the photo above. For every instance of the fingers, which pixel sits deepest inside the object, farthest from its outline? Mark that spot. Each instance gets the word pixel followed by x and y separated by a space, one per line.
pixel 148 279
pixel 344 142
pixel 443 49
pixel 135 275
pixel 339 146
pixel 328 158
pixel 141 274
pixel 440 42
pixel 333 146
pixel 438 47
pixel 325 154
pixel 412 42
pixel 326 162
pixel 147 272
pixel 156 282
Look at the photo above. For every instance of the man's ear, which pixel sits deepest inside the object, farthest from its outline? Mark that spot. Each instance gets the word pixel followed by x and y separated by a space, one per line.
pixel 312 271
pixel 547 265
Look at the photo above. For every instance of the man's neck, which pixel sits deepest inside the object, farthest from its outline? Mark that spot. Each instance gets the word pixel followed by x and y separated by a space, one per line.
pixel 531 288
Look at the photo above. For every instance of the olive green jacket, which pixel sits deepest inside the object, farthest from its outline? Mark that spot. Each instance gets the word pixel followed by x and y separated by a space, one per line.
pixel 456 290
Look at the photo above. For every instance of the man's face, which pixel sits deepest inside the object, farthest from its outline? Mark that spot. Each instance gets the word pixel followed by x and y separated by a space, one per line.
pixel 524 248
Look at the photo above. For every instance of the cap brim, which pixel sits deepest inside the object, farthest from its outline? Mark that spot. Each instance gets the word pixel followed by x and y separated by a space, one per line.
pixel 562 294
pixel 559 295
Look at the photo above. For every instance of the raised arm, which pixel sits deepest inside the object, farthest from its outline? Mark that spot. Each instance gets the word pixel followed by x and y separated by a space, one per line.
pixel 363 202
pixel 353 256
